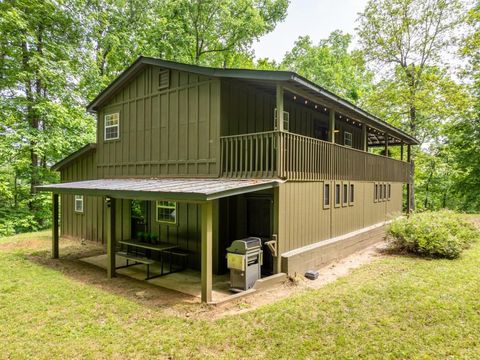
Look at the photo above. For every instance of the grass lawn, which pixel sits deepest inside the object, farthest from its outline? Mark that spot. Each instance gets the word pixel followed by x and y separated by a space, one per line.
pixel 395 307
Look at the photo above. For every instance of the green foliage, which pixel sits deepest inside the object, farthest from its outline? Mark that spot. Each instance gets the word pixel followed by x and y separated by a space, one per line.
pixel 434 234
pixel 331 65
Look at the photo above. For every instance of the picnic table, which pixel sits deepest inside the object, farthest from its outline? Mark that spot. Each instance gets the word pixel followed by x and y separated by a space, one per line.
pixel 139 252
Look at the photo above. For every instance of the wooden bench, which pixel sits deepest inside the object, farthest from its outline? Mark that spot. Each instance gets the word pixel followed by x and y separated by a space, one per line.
pixel 137 260
pixel 182 254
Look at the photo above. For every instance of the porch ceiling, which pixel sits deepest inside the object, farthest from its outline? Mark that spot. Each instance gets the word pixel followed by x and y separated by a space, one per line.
pixel 188 190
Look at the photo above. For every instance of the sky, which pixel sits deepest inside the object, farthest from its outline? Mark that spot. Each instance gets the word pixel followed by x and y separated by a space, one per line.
pixel 316 18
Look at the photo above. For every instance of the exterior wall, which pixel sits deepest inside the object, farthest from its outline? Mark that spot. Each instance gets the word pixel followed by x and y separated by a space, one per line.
pixel 90 224
pixel 303 220
pixel 248 109
pixel 170 132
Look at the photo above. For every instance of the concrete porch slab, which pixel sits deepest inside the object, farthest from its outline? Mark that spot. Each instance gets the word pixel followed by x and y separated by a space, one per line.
pixel 187 281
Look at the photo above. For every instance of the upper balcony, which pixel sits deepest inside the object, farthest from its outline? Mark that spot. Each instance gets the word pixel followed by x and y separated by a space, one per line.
pixel 280 154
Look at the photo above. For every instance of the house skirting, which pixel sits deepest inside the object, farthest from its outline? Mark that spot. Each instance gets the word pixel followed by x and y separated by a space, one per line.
pixel 320 254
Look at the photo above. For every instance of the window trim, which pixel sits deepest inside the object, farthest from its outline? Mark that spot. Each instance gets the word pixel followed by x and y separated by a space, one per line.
pixel 286 120
pixel 375 192
pixel 160 74
pixel 351 201
pixel 385 192
pixel 326 186
pixel 338 186
pixel 350 135
pixel 81 199
pixel 345 194
pixel 159 206
pixel 105 126
pixel 389 189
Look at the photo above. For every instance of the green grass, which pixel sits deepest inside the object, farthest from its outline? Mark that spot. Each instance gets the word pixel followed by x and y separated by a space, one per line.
pixel 395 307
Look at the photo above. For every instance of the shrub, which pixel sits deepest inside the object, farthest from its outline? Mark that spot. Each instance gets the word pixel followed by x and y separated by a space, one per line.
pixel 435 234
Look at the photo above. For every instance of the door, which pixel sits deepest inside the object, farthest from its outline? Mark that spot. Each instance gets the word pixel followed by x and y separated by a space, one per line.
pixel 259 224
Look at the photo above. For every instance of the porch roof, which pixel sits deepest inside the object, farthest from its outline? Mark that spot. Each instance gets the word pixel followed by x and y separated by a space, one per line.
pixel 188 190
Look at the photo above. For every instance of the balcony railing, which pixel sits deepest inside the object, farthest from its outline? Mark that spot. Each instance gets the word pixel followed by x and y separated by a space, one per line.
pixel 296 157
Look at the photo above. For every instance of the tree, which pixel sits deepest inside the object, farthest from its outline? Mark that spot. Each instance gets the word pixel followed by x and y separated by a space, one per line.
pixel 331 65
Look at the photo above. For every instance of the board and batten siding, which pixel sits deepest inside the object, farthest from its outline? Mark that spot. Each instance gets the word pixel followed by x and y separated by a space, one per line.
pixel 91 224
pixel 168 132
pixel 303 220
pixel 246 109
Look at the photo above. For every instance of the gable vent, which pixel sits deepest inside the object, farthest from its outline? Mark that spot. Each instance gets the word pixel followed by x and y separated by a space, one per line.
pixel 164 79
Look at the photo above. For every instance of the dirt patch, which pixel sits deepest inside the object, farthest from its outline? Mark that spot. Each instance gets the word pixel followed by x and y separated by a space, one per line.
pixel 174 302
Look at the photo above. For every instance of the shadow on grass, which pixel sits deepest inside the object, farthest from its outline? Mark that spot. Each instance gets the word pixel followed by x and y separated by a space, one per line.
pixel 142 292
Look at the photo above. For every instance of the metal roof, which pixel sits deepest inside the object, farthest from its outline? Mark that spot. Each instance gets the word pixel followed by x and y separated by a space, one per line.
pixel 193 190
pixel 286 77
pixel 80 152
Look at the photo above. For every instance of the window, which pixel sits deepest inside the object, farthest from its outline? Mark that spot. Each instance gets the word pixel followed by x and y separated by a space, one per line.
pixel 79 203
pixel 112 126
pixel 389 191
pixel 375 193
pixel 384 192
pixel 337 194
pixel 347 139
pixel 380 191
pixel 352 194
pixel 326 196
pixel 345 194
pixel 164 79
pixel 286 120
pixel 167 212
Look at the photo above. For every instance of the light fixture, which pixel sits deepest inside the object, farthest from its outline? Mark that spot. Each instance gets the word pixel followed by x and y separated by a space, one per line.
pixel 306 102
pixel 316 106
pixel 294 97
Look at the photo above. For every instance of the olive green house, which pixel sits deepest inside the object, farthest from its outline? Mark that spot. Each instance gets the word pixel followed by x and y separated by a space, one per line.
pixel 197 157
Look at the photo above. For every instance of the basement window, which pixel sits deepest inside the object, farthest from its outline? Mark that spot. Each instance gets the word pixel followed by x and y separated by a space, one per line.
pixel 112 126
pixel 352 194
pixel 286 120
pixel 166 212
pixel 389 191
pixel 375 193
pixel 326 196
pixel 79 203
pixel 345 194
pixel 337 194
pixel 347 139
pixel 384 192
pixel 164 79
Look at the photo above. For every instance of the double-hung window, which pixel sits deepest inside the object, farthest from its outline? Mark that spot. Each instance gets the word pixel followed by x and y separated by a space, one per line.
pixel 286 120
pixel 167 212
pixel 347 139
pixel 79 203
pixel 112 126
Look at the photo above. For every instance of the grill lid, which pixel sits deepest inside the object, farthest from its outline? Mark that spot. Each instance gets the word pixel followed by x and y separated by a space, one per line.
pixel 243 246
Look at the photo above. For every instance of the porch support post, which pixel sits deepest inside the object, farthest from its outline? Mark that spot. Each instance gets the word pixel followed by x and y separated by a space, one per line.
pixel 279 106
pixel 386 144
pixel 55 236
pixel 410 179
pixel 364 137
pixel 111 239
pixel 401 151
pixel 331 126
pixel 207 231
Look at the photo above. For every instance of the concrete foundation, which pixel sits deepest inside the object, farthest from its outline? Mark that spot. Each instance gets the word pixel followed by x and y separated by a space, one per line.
pixel 318 255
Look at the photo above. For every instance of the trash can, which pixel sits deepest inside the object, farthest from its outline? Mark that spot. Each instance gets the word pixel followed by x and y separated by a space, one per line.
pixel 244 259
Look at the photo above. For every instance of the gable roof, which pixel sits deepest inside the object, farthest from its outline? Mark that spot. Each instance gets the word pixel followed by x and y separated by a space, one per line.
pixel 75 155
pixel 286 77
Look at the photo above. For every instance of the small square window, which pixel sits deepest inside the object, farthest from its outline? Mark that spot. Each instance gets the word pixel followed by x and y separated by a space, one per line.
pixel 347 139
pixel 337 194
pixel 79 203
pixel 112 126
pixel 167 212
pixel 326 196
pixel 345 194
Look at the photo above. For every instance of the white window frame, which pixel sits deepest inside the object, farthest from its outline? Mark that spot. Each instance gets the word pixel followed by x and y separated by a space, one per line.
pixel 105 126
pixel 78 199
pixel 347 139
pixel 327 196
pixel 164 204
pixel 286 120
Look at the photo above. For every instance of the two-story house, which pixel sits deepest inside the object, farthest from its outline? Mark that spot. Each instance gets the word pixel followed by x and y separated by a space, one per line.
pixel 198 157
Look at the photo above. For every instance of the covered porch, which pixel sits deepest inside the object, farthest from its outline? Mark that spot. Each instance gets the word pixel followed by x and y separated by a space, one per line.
pixel 205 194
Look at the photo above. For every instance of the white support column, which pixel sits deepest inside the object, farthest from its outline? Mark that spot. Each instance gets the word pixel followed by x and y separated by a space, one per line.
pixel 55 235
pixel 364 137
pixel 207 234
pixel 331 126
